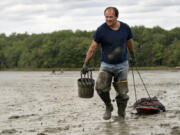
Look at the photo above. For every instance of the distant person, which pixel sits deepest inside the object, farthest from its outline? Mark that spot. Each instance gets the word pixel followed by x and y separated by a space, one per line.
pixel 115 39
pixel 54 72
pixel 62 71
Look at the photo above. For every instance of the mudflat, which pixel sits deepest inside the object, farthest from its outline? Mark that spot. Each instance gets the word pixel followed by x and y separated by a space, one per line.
pixel 45 103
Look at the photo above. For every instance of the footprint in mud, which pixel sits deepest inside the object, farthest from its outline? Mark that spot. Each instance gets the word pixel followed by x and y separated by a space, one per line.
pixel 21 116
pixel 56 130
pixel 41 134
pixel 8 131
pixel 175 130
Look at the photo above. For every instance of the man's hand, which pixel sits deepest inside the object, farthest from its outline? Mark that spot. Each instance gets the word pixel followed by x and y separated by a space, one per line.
pixel 84 68
pixel 132 59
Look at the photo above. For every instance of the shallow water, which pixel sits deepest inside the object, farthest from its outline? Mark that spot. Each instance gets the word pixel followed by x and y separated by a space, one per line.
pixel 42 103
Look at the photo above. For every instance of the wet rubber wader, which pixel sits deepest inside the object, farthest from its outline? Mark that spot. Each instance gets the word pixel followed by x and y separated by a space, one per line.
pixel 122 98
pixel 105 96
pixel 103 85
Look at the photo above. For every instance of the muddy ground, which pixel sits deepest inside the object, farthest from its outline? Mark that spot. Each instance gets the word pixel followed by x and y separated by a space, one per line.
pixel 42 103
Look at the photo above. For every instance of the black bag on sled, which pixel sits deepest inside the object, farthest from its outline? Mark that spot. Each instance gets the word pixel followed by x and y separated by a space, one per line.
pixel 149 106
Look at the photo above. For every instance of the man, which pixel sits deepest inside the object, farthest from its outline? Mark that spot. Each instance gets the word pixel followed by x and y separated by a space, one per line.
pixel 115 39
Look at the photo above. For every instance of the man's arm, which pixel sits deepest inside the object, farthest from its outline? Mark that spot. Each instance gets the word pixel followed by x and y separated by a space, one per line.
pixel 91 51
pixel 131 51
pixel 130 46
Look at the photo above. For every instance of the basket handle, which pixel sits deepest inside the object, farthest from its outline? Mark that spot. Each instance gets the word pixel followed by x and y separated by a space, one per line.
pixel 89 74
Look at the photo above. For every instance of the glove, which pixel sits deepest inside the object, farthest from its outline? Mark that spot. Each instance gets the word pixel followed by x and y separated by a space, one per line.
pixel 84 68
pixel 132 59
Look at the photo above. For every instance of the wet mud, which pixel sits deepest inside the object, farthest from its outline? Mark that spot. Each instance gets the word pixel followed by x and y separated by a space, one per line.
pixel 42 103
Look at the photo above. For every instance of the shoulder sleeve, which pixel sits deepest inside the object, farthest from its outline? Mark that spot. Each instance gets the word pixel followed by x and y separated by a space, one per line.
pixel 130 35
pixel 97 35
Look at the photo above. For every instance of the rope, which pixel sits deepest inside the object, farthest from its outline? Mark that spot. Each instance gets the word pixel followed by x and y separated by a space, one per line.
pixel 141 81
pixel 134 84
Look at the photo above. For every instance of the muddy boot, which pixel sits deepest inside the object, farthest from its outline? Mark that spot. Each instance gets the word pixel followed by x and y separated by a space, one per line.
pixel 122 98
pixel 109 107
pixel 107 114
pixel 121 104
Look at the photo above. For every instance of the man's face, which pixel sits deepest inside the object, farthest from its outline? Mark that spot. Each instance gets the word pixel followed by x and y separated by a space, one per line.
pixel 110 17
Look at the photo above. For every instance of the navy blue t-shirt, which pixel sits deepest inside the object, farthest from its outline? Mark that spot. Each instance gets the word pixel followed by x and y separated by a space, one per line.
pixel 113 43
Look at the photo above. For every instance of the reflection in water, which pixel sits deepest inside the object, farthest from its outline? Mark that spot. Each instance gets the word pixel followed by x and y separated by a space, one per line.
pixel 116 128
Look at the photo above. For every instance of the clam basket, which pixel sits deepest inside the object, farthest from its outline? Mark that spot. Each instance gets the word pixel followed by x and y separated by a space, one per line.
pixel 86 85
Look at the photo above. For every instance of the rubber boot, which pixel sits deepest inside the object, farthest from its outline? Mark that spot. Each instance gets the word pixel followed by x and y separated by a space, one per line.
pixel 109 107
pixel 121 104
pixel 122 98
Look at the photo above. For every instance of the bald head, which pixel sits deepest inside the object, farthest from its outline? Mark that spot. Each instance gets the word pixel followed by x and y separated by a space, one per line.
pixel 112 9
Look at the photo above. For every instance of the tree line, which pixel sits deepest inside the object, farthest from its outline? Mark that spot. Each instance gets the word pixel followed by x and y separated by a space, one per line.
pixel 67 49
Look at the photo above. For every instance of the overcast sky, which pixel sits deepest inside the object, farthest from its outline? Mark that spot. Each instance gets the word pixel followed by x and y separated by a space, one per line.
pixel 41 16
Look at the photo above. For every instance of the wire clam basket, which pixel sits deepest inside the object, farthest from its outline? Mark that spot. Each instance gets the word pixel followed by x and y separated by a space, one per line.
pixel 86 85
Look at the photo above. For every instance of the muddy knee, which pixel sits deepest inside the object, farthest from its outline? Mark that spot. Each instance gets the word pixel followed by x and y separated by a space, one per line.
pixel 121 88
pixel 103 82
